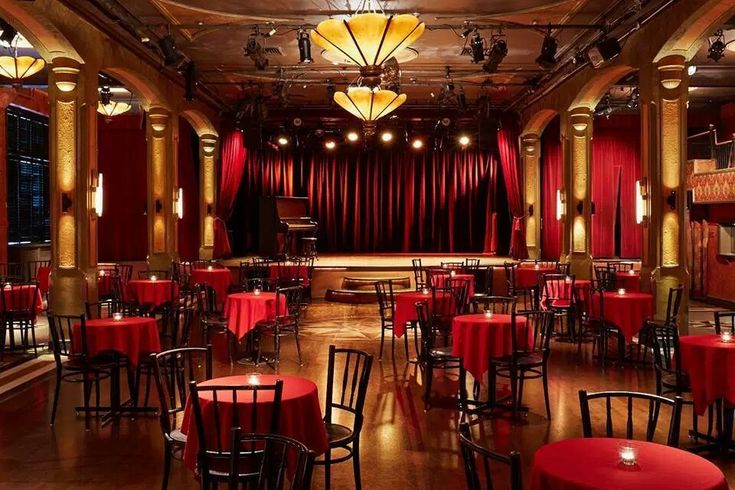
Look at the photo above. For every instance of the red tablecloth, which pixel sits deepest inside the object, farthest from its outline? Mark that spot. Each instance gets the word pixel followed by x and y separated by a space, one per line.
pixel 133 337
pixel 405 308
pixel 628 281
pixel 594 463
pixel 104 285
pixel 156 293
pixel 628 311
pixel 710 365
pixel 289 272
pixel 244 310
pixel 219 279
pixel 476 338
pixel 529 276
pixel 441 279
pixel 20 295
pixel 300 419
pixel 42 276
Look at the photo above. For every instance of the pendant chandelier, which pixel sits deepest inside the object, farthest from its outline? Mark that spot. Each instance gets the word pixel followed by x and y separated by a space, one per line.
pixel 17 68
pixel 369 104
pixel 109 107
pixel 368 38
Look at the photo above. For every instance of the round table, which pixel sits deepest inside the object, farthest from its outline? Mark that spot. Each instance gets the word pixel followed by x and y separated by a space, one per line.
pixel 628 281
pixel 405 308
pixel 300 417
pixel 439 280
pixel 244 310
pixel 530 277
pixel 709 363
pixel 219 279
pixel 590 464
pixel 290 272
pixel 476 338
pixel 150 292
pixel 628 311
pixel 18 297
pixel 131 336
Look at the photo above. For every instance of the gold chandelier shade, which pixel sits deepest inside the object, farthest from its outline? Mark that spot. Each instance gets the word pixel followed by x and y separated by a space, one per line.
pixel 369 104
pixel 368 39
pixel 17 68
pixel 112 108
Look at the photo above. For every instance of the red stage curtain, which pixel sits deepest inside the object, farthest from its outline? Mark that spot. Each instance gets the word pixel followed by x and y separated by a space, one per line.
pixel 188 168
pixel 232 165
pixel 122 159
pixel 512 174
pixel 552 170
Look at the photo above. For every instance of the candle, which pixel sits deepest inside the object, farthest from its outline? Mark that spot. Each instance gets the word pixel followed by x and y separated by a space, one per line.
pixel 631 272
pixel 117 316
pixel 452 273
pixel 535 266
pixel 256 291
pixel 253 379
pixel 102 273
pixel 425 291
pixel 8 285
pixel 726 336
pixel 153 278
pixel 628 454
pixel 209 268
pixel 621 291
pixel 488 314
pixel 567 279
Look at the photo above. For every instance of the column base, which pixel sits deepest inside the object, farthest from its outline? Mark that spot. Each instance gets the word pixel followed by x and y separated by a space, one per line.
pixel 670 277
pixel 533 252
pixel 206 253
pixel 67 291
pixel 161 261
pixel 580 264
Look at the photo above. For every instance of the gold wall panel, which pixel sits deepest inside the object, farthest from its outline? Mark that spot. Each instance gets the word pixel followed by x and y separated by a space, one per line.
pixel 209 179
pixel 670 143
pixel 67 242
pixel 670 239
pixel 66 137
pixel 159 234
pixel 579 232
pixel 158 164
pixel 208 239
pixel 579 167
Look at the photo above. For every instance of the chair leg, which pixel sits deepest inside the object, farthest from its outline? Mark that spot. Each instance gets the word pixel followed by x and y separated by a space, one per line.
pixel 33 336
pixel 356 463
pixel 166 465
pixel 428 373
pixel 545 380
pixel 416 340
pixel 382 340
pixel 513 374
pixel 521 381
pixel 87 393
pixel 57 391
pixel 328 469
pixel 298 346
pixel 405 339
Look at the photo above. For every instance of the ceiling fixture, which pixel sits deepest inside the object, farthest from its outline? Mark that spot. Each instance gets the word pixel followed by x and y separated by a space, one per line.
pixel 369 104
pixel 547 58
pixel 691 70
pixel 335 57
pixel 16 68
pixel 330 145
pixel 9 33
pixel 605 50
pixel 634 98
pixel 352 136
pixel 477 44
pixel 369 37
pixel 109 107
pixel 417 143
pixel 255 51
pixel 304 46
pixel 464 140
pixel 171 56
pixel 387 136
pixel 498 51
pixel 716 50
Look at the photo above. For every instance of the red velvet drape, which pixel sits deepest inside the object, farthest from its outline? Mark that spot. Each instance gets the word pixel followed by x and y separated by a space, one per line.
pixel 513 176
pixel 188 170
pixel 552 170
pixel 122 159
pixel 232 165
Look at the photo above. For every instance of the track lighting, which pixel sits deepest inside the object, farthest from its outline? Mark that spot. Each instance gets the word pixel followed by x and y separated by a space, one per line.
pixel 9 33
pixel 255 51
pixel 171 56
pixel 497 53
pixel 547 58
pixel 716 50
pixel 634 99
pixel 304 46
pixel 478 48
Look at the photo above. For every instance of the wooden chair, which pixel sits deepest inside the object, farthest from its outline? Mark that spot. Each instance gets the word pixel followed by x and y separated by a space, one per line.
pixel 11 272
pixel 214 462
pixel 346 391
pixel 729 316
pixel 210 318
pixel 419 275
pixel 605 278
pixel 148 274
pixel 33 267
pixel 19 313
pixel 558 297
pixel 174 371
pixel 126 273
pixel 471 265
pixel 527 297
pixel 654 406
pixel 673 304
pixel 453 265
pixel 473 452
pixel 618 266
pixel 502 305
pixel 286 322
pixel 386 308
pixel 269 284
pixel 434 355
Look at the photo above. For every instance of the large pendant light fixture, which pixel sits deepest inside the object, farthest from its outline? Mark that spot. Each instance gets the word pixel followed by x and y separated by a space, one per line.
pixel 17 68
pixel 109 107
pixel 368 38
pixel 369 104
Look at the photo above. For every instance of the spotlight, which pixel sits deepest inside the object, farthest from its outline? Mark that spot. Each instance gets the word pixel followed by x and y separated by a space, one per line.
pixel 547 58
pixel 352 136
pixel 386 136
pixel 255 51
pixel 105 95
pixel 417 143
pixel 496 55
pixel 272 32
pixel 464 140
pixel 691 70
pixel 716 50
pixel 468 30
pixel 171 56
pixel 605 50
pixel 282 140
pixel 634 99
pixel 9 33
pixel 330 145
pixel 478 48
pixel 304 46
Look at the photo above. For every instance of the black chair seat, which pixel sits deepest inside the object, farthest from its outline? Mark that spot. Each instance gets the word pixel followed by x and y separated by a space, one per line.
pixel 530 360
pixel 178 437
pixel 680 384
pixel 442 353
pixel 338 434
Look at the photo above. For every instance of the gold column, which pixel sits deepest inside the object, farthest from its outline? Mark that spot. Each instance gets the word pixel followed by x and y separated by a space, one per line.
pixel 207 193
pixel 577 140
pixel 73 170
pixel 530 153
pixel 664 134
pixel 162 188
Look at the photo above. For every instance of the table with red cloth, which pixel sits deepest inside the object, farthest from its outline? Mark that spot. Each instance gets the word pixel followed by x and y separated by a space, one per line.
pixel 300 416
pixel 133 337
pixel 530 276
pixel 244 310
pixel 627 311
pixel 405 307
pixel 290 272
pixel 594 463
pixel 476 338
pixel 710 364
pixel 150 292
pixel 43 274
pixel 17 297
pixel 628 281
pixel 439 280
pixel 219 279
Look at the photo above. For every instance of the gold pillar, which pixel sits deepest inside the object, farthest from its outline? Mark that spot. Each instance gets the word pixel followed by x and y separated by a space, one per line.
pixel 664 167
pixel 73 171
pixel 530 153
pixel 576 139
pixel 207 193
pixel 161 132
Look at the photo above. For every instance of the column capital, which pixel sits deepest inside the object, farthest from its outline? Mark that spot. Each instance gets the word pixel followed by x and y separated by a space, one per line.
pixel 65 73
pixel 158 119
pixel 580 119
pixel 671 70
pixel 209 143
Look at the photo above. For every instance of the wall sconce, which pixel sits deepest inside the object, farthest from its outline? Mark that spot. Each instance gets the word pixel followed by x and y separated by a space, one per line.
pixel 179 203
pixel 580 207
pixel 641 194
pixel 66 203
pixel 98 196
pixel 209 210
pixel 530 209
pixel 671 200
pixel 159 206
pixel 561 207
pixel 65 78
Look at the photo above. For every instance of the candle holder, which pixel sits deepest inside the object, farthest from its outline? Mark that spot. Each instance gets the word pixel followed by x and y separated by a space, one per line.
pixel 631 272
pixel 117 316
pixel 488 314
pixel 628 454
pixel 621 291
pixel 256 291
pixel 726 337
pixel 8 285
pixel 209 267
pixel 452 273
pixel 253 379
pixel 535 266
pixel 568 280
pixel 102 273
pixel 425 292
pixel 154 278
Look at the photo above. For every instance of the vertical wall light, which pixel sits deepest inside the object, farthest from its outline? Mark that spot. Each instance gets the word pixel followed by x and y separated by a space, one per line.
pixel 179 203
pixel 98 196
pixel 641 194
pixel 561 210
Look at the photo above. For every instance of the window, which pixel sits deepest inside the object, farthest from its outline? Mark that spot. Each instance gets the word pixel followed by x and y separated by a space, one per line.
pixel 727 239
pixel 28 177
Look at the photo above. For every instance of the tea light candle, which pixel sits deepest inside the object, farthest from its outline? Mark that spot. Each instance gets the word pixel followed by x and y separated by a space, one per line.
pixel 452 273
pixel 568 280
pixel 256 291
pixel 253 379
pixel 425 291
pixel 488 314
pixel 117 316
pixel 621 291
pixel 535 266
pixel 153 278
pixel 102 273
pixel 8 285
pixel 628 454
pixel 631 272
pixel 209 267
pixel 726 336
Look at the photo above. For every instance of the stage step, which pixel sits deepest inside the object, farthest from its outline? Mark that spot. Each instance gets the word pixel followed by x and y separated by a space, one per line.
pixel 361 290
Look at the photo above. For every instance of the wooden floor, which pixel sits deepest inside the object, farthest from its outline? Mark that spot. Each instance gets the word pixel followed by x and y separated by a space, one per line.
pixel 403 446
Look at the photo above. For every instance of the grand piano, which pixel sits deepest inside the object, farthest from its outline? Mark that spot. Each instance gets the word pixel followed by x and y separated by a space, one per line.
pixel 284 221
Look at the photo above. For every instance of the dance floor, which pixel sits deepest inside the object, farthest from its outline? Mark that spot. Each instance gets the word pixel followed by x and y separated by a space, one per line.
pixel 403 447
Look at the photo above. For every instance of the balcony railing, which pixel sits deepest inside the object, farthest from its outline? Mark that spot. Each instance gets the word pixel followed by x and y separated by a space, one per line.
pixel 705 146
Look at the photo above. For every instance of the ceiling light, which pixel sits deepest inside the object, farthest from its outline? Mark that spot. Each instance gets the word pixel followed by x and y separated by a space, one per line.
pixel 547 58
pixel 691 70
pixel 352 136
pixel 478 48
pixel 387 136
pixel 605 50
pixel 369 104
pixel 168 47
pixel 369 37
pixel 417 144
pixel 272 32
pixel 403 56
pixel 330 145
pixel 255 51
pixel 282 140
pixel 498 51
pixel 9 33
pixel 304 46
pixel 464 140
pixel 17 68
pixel 109 107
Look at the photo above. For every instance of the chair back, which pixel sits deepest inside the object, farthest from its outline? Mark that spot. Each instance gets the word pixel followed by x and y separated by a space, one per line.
pixel 204 264
pixel 269 284
pixel 460 287
pixel 126 272
pixel 618 266
pixel 174 371
pixel 260 267
pixel 452 265
pixel 11 272
pixel 654 403
pixel 20 300
pixel 34 266
pixel 437 278
pixel 348 375
pixel 510 276
pixel 481 477
pixel 443 307
pixel 160 274
pixel 471 265
pixel 293 271
pixel 419 274
pixel 177 322
pixel 386 300
pixel 539 330
pixel 206 298
pixel 729 321
pixel 557 287
pixel 269 462
pixel 673 303
pixel 605 277
pixel 102 309
pixel 290 298
pixel 428 334
pixel 501 305
pixel 61 328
